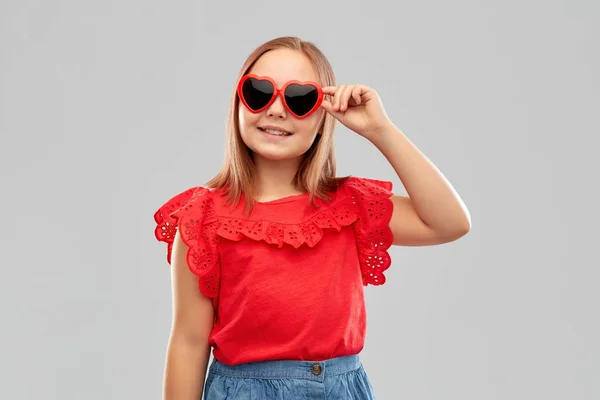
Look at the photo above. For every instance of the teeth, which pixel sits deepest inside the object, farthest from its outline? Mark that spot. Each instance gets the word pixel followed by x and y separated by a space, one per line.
pixel 275 132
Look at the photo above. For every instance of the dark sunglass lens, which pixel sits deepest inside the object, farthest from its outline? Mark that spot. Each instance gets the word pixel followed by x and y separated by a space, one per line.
pixel 301 98
pixel 257 93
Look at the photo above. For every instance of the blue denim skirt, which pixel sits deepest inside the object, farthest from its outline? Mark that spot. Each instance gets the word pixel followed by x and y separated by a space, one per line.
pixel 340 378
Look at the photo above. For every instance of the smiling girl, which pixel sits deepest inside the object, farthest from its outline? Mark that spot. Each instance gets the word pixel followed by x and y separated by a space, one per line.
pixel 270 257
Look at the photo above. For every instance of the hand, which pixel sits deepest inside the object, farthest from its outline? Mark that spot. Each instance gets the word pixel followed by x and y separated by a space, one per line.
pixel 357 107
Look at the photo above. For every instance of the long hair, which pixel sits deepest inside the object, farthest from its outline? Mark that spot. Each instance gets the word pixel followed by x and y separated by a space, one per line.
pixel 317 172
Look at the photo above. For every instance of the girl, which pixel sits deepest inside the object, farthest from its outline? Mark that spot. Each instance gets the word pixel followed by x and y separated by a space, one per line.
pixel 270 257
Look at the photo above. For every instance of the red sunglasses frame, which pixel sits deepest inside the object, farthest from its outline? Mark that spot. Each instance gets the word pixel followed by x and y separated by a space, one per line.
pixel 280 92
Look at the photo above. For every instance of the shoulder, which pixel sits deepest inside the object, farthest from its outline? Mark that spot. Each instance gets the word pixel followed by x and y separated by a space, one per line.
pixel 177 201
pixel 366 187
pixel 189 215
pixel 369 201
pixel 195 202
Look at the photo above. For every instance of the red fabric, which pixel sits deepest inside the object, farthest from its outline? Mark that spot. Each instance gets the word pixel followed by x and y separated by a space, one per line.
pixel 286 281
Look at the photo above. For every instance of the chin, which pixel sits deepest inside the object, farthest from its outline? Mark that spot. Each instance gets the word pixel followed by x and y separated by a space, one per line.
pixel 277 154
pixel 277 151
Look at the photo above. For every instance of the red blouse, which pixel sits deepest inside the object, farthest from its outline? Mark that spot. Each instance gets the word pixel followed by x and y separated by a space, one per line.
pixel 286 281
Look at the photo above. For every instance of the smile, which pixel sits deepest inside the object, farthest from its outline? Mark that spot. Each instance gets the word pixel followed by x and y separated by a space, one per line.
pixel 275 132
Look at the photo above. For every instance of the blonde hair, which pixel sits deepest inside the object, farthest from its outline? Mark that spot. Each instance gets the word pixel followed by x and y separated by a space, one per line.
pixel 317 172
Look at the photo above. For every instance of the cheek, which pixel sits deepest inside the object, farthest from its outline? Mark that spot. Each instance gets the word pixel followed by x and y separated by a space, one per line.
pixel 311 124
pixel 247 119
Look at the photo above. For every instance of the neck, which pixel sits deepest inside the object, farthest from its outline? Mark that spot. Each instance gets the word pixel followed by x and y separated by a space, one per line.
pixel 274 178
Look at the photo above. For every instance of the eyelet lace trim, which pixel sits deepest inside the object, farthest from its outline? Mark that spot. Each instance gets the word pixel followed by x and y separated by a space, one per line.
pixel 192 213
pixel 371 199
pixel 367 205
pixel 309 232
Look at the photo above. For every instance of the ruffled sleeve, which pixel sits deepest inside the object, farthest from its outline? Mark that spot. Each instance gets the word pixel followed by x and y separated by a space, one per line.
pixel 192 213
pixel 371 201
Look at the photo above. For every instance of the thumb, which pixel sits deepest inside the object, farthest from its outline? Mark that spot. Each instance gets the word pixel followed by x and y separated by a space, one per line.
pixel 327 106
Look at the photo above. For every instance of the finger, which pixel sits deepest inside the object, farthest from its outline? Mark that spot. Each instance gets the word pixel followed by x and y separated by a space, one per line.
pixel 336 97
pixel 329 90
pixel 345 96
pixel 356 95
pixel 328 106
pixel 366 93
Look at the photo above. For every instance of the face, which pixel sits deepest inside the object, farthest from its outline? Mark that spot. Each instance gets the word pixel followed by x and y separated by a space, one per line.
pixel 260 131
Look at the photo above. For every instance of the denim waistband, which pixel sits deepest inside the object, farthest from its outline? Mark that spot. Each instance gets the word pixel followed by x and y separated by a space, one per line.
pixel 289 369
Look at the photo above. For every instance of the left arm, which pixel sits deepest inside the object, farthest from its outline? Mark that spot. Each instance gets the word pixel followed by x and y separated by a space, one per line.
pixel 433 213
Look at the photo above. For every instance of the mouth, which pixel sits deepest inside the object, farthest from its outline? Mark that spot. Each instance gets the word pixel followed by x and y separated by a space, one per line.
pixel 274 131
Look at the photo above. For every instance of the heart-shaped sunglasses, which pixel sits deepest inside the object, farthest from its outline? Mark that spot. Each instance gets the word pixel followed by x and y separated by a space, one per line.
pixel 301 99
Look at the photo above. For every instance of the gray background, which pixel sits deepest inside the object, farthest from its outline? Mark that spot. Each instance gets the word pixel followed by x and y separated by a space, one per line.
pixel 108 108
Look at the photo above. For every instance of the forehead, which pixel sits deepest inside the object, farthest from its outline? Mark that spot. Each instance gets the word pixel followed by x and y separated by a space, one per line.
pixel 283 65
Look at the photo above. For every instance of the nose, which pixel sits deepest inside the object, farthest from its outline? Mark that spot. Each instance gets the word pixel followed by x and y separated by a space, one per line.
pixel 277 109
